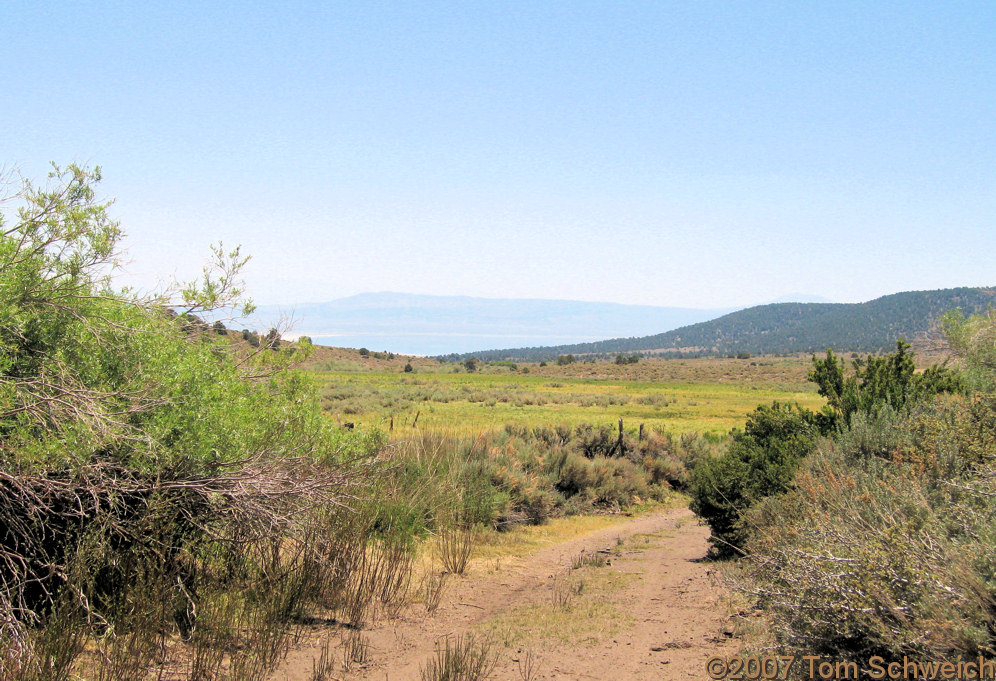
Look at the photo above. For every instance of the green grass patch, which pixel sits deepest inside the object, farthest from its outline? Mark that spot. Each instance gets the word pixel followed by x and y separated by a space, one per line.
pixel 462 404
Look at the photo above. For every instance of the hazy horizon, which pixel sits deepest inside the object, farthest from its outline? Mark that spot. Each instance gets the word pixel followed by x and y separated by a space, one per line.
pixel 439 325
pixel 431 325
pixel 794 297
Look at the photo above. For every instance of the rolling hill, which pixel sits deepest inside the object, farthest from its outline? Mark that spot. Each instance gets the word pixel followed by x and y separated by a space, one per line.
pixel 784 328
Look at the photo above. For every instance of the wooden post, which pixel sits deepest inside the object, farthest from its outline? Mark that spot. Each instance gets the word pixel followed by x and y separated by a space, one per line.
pixel 391 427
pixel 619 444
pixel 417 414
pixel 641 432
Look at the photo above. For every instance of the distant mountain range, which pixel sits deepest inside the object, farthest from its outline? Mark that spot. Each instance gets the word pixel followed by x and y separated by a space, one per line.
pixel 785 328
pixel 433 325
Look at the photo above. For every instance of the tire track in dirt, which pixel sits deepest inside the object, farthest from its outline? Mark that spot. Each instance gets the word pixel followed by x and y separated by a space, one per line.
pixel 654 609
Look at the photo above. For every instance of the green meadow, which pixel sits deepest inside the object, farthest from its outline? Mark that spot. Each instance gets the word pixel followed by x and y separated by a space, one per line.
pixel 469 403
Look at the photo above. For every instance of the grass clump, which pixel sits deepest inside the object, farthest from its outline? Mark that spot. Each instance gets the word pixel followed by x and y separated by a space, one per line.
pixel 433 586
pixel 589 559
pixel 567 618
pixel 461 658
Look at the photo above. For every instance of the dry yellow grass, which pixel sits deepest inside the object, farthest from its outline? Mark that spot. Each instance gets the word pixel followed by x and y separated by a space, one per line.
pixel 586 620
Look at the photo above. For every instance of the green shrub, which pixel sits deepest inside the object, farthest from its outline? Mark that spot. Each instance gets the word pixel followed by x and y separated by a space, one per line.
pixel 482 500
pixel 618 482
pixel 592 441
pixel 508 364
pixel 573 474
pixel 535 506
pixel 603 480
pixel 760 461
pixel 876 382
pixel 974 341
pixel 667 470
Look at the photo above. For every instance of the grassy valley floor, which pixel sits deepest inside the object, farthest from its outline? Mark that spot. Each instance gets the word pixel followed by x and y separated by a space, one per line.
pixel 678 396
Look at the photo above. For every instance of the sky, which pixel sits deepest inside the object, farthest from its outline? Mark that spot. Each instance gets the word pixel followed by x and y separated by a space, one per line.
pixel 693 154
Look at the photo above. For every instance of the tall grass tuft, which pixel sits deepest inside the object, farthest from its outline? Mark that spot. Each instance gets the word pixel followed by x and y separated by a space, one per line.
pixel 455 545
pixel 433 585
pixel 461 658
pixel 589 559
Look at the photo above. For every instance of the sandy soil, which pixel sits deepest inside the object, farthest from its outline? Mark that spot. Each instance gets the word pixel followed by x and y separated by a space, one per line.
pixel 652 612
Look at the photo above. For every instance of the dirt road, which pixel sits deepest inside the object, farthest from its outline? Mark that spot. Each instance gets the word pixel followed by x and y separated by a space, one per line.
pixel 652 611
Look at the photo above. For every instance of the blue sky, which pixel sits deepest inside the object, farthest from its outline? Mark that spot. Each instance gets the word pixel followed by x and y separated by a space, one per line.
pixel 696 154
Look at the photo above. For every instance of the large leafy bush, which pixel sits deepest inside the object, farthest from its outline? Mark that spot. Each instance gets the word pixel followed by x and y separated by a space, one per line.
pixel 760 461
pixel 142 460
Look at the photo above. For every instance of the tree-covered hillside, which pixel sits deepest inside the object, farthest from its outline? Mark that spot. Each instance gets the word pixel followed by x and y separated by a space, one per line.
pixel 787 327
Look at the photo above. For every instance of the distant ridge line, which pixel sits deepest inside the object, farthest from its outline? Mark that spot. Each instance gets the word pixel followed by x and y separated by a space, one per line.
pixel 778 328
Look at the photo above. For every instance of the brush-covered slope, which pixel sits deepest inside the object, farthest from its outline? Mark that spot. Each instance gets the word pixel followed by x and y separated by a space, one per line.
pixel 787 327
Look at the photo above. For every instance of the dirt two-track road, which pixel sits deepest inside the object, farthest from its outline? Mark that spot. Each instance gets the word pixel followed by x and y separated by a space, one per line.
pixel 653 611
